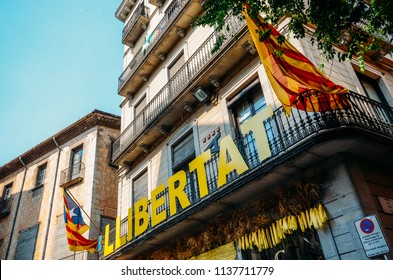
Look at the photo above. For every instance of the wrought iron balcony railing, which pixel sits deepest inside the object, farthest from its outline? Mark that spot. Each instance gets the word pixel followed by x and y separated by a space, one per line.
pixel 140 12
pixel 151 41
pixel 171 90
pixel 5 207
pixel 283 133
pixel 72 175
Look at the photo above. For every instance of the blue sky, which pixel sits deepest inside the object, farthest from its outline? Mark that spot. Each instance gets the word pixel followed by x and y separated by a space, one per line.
pixel 59 60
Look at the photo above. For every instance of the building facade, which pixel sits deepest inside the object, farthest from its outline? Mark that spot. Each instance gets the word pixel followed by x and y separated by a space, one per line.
pixel 211 167
pixel 31 207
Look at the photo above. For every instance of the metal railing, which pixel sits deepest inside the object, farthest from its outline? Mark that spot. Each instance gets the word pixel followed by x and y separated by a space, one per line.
pixel 284 132
pixel 141 10
pixel 84 255
pixel 151 40
pixel 72 175
pixel 172 89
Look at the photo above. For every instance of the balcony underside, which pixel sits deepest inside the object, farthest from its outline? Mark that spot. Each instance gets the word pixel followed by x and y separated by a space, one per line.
pixel 164 45
pixel 136 31
pixel 228 61
pixel 258 182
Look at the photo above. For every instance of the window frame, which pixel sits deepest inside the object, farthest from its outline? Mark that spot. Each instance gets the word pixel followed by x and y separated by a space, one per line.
pixel 174 61
pixel 73 175
pixel 143 172
pixel 246 94
pixel 374 83
pixel 186 159
pixel 181 135
pixel 7 191
pixel 39 184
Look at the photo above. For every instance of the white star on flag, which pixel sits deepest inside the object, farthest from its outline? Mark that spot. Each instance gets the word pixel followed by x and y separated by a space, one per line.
pixel 72 213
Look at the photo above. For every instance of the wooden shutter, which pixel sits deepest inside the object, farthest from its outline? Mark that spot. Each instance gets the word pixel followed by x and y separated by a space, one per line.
pixel 176 65
pixel 140 106
pixel 183 151
pixel 26 244
pixel 61 243
pixel 140 187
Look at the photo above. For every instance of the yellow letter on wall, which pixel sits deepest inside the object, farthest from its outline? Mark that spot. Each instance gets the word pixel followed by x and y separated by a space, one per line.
pixel 227 146
pixel 119 241
pixel 178 192
pixel 198 164
pixel 141 216
pixel 255 124
pixel 156 203
pixel 108 249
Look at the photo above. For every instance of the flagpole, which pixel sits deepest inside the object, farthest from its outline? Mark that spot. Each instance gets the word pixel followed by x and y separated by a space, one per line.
pixel 76 201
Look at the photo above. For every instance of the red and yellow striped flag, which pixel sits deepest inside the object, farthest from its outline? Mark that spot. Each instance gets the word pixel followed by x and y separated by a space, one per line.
pixel 296 81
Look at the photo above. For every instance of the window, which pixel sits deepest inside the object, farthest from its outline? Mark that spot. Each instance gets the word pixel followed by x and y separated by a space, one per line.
pixel 26 244
pixel 76 162
pixel 176 65
pixel 301 246
pixel 247 103
pixel 244 106
pixel 374 92
pixel 139 115
pixel 140 106
pixel 183 152
pixel 7 191
pixel 371 88
pixel 139 187
pixel 112 223
pixel 39 181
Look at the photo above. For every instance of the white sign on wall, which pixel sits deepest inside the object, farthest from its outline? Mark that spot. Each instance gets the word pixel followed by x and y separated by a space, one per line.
pixel 371 236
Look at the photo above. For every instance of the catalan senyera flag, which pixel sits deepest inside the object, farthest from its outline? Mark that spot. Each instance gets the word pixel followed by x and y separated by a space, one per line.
pixel 295 80
pixel 75 227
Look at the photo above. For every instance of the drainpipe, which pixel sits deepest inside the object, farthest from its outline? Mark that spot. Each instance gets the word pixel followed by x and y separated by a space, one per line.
pixel 51 200
pixel 16 210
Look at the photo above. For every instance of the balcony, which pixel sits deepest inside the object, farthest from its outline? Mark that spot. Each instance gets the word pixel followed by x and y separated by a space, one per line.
pixel 84 255
pixel 124 9
pixel 157 3
pixel 299 141
pixel 5 207
pixel 173 25
pixel 136 25
pixel 72 175
pixel 168 103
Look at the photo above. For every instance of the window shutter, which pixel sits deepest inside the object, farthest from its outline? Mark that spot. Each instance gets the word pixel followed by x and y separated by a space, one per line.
pixel 183 151
pixel 140 187
pixel 61 244
pixel 26 244
pixel 176 66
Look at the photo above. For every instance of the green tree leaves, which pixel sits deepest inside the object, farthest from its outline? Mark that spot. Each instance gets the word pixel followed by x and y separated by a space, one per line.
pixel 354 26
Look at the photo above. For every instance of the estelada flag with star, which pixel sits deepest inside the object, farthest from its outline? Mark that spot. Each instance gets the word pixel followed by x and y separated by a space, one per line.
pixel 296 81
pixel 76 226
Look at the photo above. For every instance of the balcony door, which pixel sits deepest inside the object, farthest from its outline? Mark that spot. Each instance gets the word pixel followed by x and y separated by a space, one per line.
pixel 139 113
pixel 183 152
pixel 246 104
pixel 76 163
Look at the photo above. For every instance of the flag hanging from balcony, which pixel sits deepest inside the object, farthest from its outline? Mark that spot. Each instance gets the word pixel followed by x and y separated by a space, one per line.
pixel 75 227
pixel 296 81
